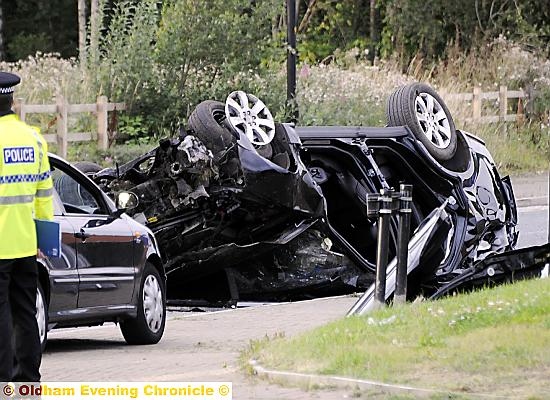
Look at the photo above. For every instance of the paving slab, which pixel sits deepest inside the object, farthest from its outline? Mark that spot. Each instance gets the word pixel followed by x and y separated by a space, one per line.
pixel 196 347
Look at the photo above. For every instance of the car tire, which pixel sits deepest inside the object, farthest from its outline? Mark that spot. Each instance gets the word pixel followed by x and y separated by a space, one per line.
pixel 208 122
pixel 423 111
pixel 87 167
pixel 42 316
pixel 148 326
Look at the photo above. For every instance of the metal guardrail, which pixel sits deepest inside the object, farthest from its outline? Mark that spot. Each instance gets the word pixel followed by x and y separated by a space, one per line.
pixel 383 206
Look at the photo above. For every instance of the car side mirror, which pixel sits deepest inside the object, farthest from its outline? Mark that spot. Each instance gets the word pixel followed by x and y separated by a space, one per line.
pixel 126 201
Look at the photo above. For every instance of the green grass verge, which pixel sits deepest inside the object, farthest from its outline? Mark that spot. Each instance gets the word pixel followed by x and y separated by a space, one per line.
pixel 492 341
pixel 522 150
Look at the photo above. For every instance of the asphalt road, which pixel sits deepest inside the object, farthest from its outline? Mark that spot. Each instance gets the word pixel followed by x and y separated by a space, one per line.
pixel 206 346
pixel 532 226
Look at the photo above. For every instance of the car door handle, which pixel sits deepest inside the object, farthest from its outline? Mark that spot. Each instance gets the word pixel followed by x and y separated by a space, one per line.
pixel 82 235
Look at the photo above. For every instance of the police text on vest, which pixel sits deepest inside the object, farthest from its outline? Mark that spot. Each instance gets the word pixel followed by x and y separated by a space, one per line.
pixel 13 155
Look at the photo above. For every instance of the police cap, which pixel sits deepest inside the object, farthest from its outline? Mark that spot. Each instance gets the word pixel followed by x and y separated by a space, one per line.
pixel 7 82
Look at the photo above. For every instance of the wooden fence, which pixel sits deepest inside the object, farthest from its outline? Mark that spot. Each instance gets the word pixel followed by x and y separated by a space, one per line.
pixel 477 97
pixel 102 107
pixel 62 110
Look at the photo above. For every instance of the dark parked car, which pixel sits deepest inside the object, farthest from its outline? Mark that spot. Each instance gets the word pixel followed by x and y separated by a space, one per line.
pixel 246 208
pixel 110 268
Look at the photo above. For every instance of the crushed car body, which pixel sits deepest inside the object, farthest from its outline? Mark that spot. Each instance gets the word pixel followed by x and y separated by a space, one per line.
pixel 246 208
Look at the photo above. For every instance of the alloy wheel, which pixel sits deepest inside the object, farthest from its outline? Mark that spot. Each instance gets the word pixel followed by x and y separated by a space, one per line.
pixel 433 120
pixel 249 115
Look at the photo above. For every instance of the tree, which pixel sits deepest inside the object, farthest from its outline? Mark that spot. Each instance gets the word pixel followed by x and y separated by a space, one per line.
pixel 2 54
pixel 82 30
pixel 38 25
pixel 373 31
pixel 427 27
pixel 94 30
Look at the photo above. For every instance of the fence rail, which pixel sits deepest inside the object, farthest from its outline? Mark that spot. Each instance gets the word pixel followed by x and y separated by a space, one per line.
pixel 102 107
pixel 62 109
pixel 477 97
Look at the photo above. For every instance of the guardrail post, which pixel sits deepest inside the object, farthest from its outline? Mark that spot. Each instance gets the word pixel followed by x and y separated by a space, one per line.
pixel 62 125
pixel 102 123
pixel 383 244
pixel 503 108
pixel 404 221
pixel 383 206
pixel 476 103
pixel 19 108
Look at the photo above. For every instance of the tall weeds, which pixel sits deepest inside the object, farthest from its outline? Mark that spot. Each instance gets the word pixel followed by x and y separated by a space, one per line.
pixel 344 92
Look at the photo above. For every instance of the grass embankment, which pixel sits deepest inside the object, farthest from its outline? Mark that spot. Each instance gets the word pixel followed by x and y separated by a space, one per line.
pixel 492 341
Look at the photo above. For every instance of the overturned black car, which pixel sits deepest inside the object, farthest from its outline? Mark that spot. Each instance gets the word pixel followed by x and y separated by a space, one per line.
pixel 246 208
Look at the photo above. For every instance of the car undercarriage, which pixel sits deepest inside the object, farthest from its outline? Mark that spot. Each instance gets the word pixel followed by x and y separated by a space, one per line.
pixel 244 208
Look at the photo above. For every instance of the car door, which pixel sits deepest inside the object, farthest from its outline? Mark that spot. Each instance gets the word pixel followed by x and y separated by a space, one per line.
pixel 103 243
pixel 62 270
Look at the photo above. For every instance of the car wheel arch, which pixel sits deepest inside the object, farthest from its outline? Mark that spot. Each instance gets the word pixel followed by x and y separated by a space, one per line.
pixel 155 260
pixel 44 279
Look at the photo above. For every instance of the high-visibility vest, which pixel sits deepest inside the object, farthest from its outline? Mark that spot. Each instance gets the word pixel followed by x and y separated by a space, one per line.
pixel 25 187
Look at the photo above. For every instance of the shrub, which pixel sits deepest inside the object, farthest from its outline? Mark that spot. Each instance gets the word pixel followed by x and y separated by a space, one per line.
pixel 45 75
pixel 23 44
pixel 162 61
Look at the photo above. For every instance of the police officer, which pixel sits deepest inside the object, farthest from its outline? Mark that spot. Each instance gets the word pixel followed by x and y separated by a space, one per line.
pixel 25 193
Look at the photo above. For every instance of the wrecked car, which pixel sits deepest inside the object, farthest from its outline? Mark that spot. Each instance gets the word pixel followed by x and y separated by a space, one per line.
pixel 247 208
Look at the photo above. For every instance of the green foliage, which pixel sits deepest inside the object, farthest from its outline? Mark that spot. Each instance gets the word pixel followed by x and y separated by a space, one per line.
pixel 426 28
pixel 162 59
pixel 43 76
pixel 23 44
pixel 204 47
pixel 37 25
pixel 126 68
pixel 133 129
pixel 525 149
pixel 541 102
pixel 332 95
pixel 334 25
pixel 253 30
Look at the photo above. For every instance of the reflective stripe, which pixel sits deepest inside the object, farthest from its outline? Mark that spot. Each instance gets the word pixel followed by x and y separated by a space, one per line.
pixel 25 178
pixel 44 175
pixel 24 199
pixel 44 192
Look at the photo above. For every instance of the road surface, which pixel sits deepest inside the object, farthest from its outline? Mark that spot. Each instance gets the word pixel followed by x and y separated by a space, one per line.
pixel 533 226
pixel 206 346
